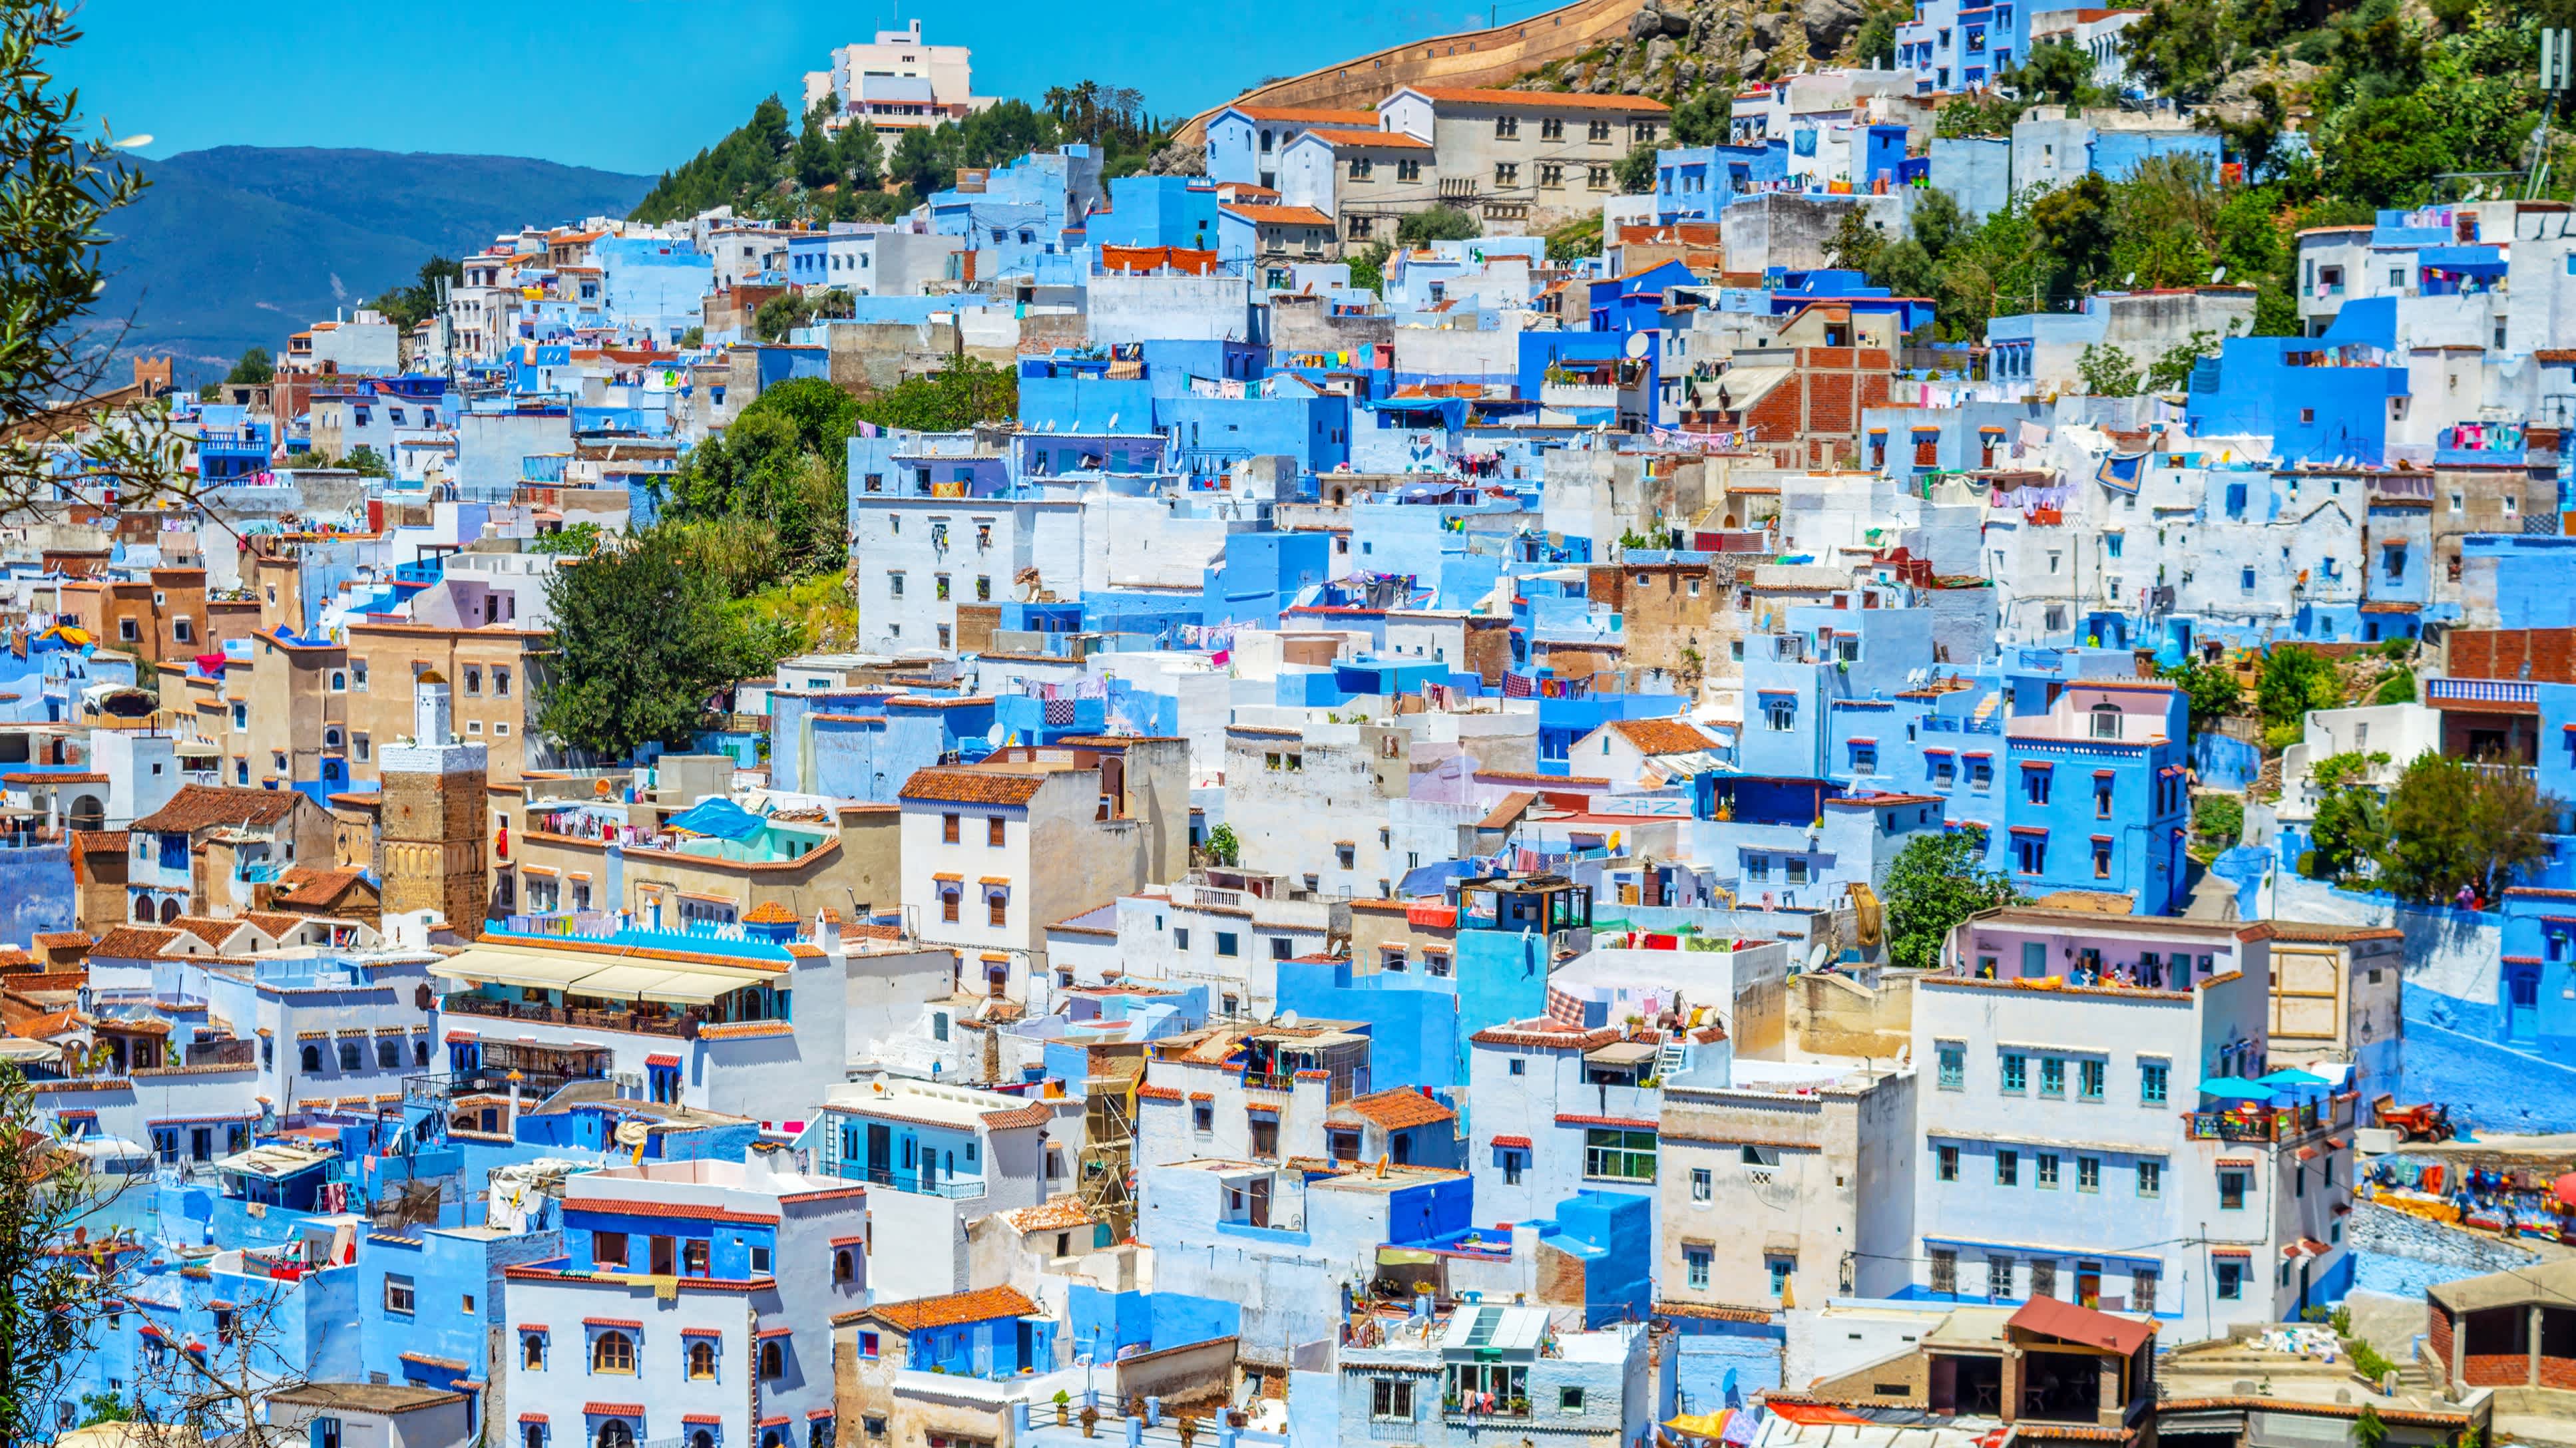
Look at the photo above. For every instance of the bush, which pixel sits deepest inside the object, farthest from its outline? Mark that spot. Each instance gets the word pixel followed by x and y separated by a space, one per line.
pixel 2218 819
pixel 1440 223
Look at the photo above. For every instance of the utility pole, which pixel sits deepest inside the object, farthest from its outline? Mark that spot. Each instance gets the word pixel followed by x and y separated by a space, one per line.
pixel 2557 60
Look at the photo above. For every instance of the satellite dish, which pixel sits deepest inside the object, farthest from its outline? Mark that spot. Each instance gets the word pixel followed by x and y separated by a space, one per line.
pixel 630 1133
pixel 2217 275
pixel 995 735
pixel 1640 343
pixel 1288 1018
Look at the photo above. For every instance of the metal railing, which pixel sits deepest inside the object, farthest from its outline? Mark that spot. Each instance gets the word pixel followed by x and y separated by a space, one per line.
pixel 913 1182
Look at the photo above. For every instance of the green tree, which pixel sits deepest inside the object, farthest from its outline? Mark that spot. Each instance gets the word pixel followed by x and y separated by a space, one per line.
pixel 576 538
pixel 1705 119
pixel 956 397
pixel 642 646
pixel 1635 172
pixel 254 368
pixel 1222 847
pixel 2218 819
pixel 2211 693
pixel 917 161
pixel 1368 266
pixel 409 306
pixel 1934 883
pixel 1437 223
pixel 2397 688
pixel 2455 825
pixel 2182 48
pixel 2292 682
pixel 2367 1430
pixel 367 463
pixel 2350 825
pixel 782 466
pixel 2073 225
pixel 52 1301
pixel 859 157
pixel 817 163
pixel 2107 371
pixel 2173 370
pixel 61 179
pixel 2057 72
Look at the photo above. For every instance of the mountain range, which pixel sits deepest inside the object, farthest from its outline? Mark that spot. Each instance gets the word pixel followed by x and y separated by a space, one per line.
pixel 241 246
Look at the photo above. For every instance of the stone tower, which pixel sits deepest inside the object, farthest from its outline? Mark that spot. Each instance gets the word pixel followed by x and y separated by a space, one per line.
pixel 432 815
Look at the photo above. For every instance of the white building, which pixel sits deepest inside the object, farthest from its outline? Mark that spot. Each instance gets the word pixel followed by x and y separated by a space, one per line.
pixel 896 82
pixel 2092 1141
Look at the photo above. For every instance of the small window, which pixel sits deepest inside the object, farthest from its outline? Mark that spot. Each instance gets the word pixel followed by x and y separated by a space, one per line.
pixel 614 1352
pixel 398 1295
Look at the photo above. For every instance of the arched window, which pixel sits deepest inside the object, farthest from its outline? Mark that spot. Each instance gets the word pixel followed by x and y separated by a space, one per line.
pixel 331 738
pixel 2106 720
pixel 615 1434
pixel 143 909
pixel 773 1439
pixel 532 1354
pixel 702 1439
pixel 843 1268
pixel 773 1362
pixel 348 1055
pixel 702 1359
pixel 312 1060
pixel 169 911
pixel 532 1435
pixel 420 1051
pixel 339 682
pixel 613 1353
pixel 1265 143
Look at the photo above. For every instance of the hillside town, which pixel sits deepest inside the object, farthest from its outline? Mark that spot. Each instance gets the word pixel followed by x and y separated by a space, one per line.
pixel 1046 808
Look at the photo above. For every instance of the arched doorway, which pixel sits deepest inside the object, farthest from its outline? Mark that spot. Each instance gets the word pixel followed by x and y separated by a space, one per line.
pixel 615 1434
pixel 88 813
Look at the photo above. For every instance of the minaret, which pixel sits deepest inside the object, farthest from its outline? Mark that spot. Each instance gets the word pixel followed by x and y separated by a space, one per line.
pixel 432 816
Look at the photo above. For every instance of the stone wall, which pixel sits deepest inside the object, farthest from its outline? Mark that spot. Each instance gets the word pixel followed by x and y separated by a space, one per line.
pixel 2374 1228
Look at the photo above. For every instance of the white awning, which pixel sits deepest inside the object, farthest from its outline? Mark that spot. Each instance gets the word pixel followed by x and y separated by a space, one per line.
pixel 510 967
pixel 658 983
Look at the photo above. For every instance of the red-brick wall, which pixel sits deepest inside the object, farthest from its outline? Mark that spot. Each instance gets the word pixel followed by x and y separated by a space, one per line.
pixel 2437 1342
pixel 2501 653
pixel 2496 1370
pixel 2558 1372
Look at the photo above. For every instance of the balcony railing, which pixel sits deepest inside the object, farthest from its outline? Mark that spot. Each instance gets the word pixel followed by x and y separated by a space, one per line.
pixel 912 1181
pixel 683 1025
pixel 2283 1123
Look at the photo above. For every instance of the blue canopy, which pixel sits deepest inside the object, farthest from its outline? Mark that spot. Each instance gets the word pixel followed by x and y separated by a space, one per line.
pixel 2231 1088
pixel 719 817
pixel 2289 1076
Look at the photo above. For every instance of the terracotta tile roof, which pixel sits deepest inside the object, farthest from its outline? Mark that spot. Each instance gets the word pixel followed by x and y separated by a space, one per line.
pixel 1056 1214
pixel 1398 1109
pixel 99 842
pixel 1278 215
pixel 1365 136
pixel 319 889
pixel 1036 1113
pixel 133 942
pixel 1545 1033
pixel 64 939
pixel 1539 100
pixel 685 1211
pixel 955 784
pixel 2311 933
pixel 981 1305
pixel 771 913
pixel 275 923
pixel 203 806
pixel 1663 736
pixel 209 929
pixel 1157 1093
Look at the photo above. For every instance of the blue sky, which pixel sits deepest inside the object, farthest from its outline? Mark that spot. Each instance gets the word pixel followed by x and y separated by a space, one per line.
pixel 640 85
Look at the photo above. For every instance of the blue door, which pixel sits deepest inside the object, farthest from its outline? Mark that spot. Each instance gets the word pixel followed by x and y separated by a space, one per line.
pixel 2521 1003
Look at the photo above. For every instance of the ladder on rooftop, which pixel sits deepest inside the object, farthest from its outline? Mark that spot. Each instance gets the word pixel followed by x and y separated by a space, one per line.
pixel 1673 1057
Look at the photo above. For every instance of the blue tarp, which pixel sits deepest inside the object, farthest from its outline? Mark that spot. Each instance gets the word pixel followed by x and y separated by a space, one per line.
pixel 720 818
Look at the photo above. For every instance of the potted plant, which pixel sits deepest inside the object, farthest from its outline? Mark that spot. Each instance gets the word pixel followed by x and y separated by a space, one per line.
pixel 1090 1420
pixel 1520 1407
pixel 1188 1429
pixel 1063 1407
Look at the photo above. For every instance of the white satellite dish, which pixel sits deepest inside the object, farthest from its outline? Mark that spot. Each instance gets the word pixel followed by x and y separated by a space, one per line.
pixel 995 735
pixel 1288 1019
pixel 1640 343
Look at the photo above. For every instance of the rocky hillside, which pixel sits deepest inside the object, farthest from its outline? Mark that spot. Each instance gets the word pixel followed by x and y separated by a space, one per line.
pixel 1674 48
